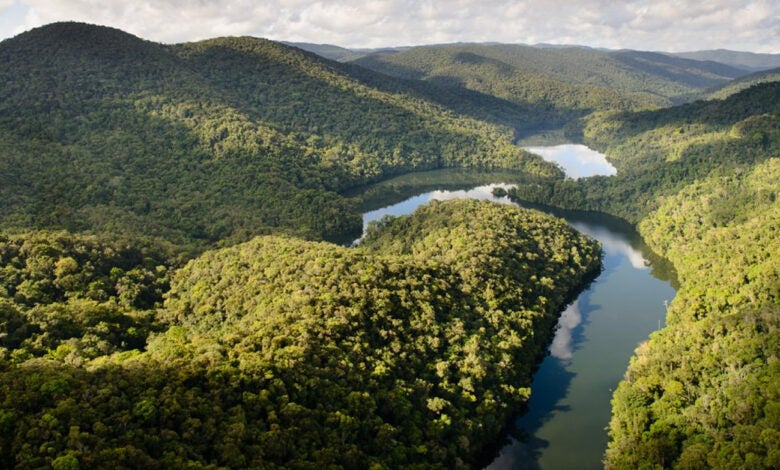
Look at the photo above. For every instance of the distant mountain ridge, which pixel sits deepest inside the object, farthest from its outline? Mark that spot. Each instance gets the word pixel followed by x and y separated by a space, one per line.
pixel 338 53
pixel 740 59
pixel 567 77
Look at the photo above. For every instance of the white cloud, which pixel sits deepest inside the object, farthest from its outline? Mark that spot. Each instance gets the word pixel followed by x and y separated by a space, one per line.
pixel 673 25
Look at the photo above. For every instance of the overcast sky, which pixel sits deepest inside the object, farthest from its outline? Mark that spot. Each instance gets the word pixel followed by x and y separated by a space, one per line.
pixel 668 25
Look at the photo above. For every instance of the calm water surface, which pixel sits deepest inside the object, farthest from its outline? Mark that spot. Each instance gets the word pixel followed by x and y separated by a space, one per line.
pixel 577 160
pixel 564 427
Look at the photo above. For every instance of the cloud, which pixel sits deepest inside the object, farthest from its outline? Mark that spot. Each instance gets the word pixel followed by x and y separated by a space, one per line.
pixel 673 25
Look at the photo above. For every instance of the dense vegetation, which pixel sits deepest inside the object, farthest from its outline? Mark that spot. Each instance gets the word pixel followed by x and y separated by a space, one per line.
pixel 701 180
pixel 208 141
pixel 658 153
pixel 413 349
pixel 704 392
pixel 742 83
pixel 562 83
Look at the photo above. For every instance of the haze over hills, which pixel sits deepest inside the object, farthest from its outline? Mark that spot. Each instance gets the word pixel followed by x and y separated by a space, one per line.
pixel 571 78
pixel 749 61
pixel 338 53
pixel 745 60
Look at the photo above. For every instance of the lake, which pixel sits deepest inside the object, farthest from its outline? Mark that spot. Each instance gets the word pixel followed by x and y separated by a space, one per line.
pixel 569 407
pixel 578 161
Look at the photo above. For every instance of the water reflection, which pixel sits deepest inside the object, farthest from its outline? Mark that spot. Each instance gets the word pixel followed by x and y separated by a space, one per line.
pixel 562 346
pixel 564 426
pixel 614 243
pixel 578 161
pixel 408 206
pixel 480 192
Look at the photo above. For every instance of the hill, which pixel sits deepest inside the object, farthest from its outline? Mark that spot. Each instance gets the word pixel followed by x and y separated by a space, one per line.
pixel 338 53
pixel 329 51
pixel 665 150
pixel 701 181
pixel 207 141
pixel 742 83
pixel 569 81
pixel 412 350
pixel 740 59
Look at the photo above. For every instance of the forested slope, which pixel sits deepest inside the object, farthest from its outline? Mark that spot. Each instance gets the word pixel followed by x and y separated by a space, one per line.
pixel 742 83
pixel 411 350
pixel 701 180
pixel 740 59
pixel 201 142
pixel 704 392
pixel 658 153
pixel 563 83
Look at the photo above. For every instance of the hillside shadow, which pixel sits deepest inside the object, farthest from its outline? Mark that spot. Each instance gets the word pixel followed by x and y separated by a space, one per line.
pixel 452 93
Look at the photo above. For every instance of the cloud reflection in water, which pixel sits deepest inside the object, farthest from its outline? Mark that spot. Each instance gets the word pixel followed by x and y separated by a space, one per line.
pixel 562 345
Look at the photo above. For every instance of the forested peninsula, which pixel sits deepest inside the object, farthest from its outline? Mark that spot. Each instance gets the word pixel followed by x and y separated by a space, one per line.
pixel 413 349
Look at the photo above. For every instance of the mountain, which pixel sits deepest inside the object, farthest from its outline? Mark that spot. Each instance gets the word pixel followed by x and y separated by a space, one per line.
pixel 329 51
pixel 219 139
pixel 742 83
pixel 750 61
pixel 571 80
pixel 340 54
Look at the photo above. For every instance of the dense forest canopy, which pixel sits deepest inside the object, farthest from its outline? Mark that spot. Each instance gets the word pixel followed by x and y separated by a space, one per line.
pixel 221 139
pixel 702 181
pixel 413 349
pixel 164 301
pixel 704 391
pixel 564 83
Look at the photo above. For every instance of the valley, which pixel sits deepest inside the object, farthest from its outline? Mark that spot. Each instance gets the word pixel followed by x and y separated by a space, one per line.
pixel 177 287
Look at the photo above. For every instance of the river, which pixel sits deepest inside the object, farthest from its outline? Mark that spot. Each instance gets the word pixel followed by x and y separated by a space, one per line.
pixel 569 408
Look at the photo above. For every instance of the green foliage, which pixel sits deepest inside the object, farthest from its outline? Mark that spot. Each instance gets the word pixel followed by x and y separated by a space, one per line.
pixel 217 140
pixel 555 85
pixel 658 153
pixel 742 83
pixel 76 297
pixel 703 392
pixel 413 349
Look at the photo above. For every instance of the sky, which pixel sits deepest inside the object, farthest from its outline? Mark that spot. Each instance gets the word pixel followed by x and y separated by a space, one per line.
pixel 658 25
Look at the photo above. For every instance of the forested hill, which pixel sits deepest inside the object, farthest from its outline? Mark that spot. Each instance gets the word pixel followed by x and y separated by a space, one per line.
pixel 409 351
pixel 702 182
pixel 658 153
pixel 742 83
pixel 213 140
pixel 740 59
pixel 570 80
pixel 329 51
